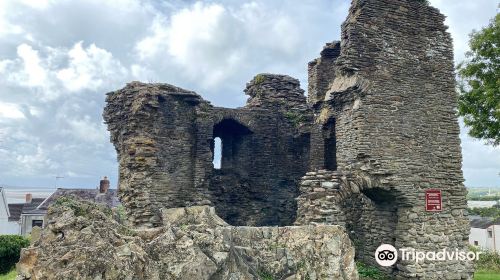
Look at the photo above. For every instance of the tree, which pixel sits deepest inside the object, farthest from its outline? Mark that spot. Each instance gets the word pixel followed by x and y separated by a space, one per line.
pixel 479 84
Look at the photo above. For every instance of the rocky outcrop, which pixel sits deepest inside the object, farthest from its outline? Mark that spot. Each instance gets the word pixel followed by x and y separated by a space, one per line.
pixel 83 241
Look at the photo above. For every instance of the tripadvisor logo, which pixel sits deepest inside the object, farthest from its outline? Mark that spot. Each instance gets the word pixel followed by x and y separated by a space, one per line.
pixel 387 255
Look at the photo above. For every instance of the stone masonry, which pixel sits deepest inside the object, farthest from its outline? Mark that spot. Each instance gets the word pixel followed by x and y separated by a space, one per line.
pixel 377 130
pixel 164 137
pixel 388 92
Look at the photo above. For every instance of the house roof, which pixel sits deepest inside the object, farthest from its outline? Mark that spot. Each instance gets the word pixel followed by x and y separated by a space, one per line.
pixel 484 223
pixel 32 208
pixel 109 198
pixel 39 206
pixel 15 210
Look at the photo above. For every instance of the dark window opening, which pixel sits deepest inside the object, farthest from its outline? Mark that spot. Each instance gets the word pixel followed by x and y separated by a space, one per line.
pixel 37 223
pixel 330 145
pixel 230 133
pixel 379 218
pixel 476 243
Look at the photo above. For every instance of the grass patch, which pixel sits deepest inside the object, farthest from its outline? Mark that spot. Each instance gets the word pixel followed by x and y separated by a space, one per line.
pixel 295 117
pixel 368 272
pixel 9 276
pixel 265 275
pixel 481 274
pixel 488 265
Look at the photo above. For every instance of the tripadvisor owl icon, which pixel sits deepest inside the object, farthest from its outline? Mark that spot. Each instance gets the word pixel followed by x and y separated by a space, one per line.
pixel 386 255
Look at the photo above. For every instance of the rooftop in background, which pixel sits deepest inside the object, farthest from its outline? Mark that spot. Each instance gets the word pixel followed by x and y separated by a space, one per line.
pixel 16 209
pixel 484 222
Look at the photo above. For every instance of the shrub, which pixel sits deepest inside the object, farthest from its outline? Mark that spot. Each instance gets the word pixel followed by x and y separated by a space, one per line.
pixel 488 261
pixel 10 251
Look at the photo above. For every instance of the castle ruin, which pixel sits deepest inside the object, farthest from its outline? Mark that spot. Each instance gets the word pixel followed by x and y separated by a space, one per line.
pixel 378 129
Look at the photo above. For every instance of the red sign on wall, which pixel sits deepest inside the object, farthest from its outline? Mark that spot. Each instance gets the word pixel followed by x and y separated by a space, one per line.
pixel 433 200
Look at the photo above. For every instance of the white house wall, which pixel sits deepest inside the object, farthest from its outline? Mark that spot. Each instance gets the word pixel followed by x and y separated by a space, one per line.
pixel 6 227
pixel 481 236
pixel 26 222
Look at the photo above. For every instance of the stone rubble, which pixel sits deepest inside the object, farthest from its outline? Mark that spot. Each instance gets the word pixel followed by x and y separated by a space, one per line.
pixel 83 241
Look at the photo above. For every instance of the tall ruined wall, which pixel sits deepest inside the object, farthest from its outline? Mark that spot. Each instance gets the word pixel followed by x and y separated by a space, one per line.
pixel 321 73
pixel 151 126
pixel 258 186
pixel 392 100
pixel 164 137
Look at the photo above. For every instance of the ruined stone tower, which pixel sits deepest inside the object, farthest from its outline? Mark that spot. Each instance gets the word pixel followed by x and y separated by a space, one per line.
pixel 378 129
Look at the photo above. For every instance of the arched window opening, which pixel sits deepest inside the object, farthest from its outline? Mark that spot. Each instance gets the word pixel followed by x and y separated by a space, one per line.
pixel 217 153
pixel 230 133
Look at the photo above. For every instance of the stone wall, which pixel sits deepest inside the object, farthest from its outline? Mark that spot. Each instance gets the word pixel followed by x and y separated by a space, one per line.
pixel 164 137
pixel 392 99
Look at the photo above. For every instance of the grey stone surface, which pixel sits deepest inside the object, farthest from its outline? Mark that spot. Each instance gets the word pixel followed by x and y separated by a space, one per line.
pixel 82 241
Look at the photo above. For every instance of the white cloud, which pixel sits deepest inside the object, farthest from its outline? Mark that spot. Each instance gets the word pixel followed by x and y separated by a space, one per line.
pixel 10 111
pixel 6 27
pixel 210 42
pixel 33 73
pixel 89 68
pixel 35 162
pixel 51 72
pixel 87 130
pixel 37 4
pixel 464 16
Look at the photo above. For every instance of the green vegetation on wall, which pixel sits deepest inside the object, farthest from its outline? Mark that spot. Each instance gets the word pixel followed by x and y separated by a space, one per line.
pixel 370 272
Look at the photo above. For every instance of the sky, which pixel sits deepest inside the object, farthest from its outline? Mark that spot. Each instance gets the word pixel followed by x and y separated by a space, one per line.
pixel 58 58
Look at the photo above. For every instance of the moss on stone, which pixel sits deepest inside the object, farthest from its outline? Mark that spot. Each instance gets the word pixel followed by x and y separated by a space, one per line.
pixel 259 79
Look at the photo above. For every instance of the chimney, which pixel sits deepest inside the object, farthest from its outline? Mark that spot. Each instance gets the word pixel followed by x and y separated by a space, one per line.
pixel 29 198
pixel 104 185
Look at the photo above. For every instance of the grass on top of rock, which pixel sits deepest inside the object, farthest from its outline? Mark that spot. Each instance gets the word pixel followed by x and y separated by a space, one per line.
pixel 89 209
pixel 259 79
pixel 79 208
